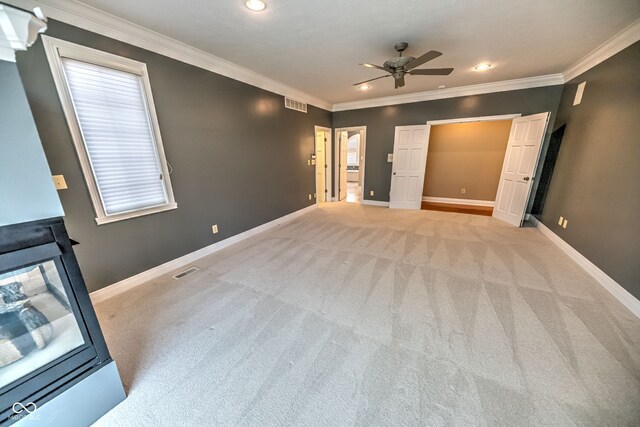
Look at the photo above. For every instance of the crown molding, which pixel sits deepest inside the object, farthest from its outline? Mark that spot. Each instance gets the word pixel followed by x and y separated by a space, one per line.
pixel 502 86
pixel 617 43
pixel 92 19
pixel 19 29
pixel 95 20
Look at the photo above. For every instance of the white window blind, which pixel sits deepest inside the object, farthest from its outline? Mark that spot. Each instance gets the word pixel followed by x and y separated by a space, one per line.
pixel 108 105
pixel 113 118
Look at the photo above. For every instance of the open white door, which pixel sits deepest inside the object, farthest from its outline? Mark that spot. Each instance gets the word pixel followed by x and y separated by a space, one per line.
pixel 342 162
pixel 518 169
pixel 409 160
pixel 321 167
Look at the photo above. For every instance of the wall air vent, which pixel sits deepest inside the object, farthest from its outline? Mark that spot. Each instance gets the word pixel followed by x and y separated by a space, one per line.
pixel 295 105
pixel 186 273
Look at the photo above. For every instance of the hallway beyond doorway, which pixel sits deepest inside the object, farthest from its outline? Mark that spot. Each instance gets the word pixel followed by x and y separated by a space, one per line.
pixel 354 192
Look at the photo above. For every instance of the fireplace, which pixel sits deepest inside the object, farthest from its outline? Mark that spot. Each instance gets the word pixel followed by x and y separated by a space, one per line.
pixel 49 335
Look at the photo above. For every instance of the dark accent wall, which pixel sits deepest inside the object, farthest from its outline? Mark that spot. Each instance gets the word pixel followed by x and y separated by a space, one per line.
pixel 239 160
pixel 381 123
pixel 596 180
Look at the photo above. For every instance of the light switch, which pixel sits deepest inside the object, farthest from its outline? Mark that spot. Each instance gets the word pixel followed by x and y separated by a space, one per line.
pixel 564 224
pixel 560 221
pixel 59 182
pixel 389 158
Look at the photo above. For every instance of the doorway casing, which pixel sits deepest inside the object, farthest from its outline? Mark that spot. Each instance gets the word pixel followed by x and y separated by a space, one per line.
pixel 361 161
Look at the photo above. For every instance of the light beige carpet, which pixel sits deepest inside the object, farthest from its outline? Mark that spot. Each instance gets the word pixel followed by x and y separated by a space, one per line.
pixel 355 315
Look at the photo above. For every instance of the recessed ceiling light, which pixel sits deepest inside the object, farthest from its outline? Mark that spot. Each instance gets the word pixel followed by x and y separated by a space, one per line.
pixel 256 5
pixel 441 87
pixel 364 87
pixel 482 67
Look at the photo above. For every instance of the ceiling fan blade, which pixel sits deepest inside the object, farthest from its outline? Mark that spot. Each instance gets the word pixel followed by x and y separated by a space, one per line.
pixel 370 80
pixel 400 82
pixel 429 56
pixel 432 72
pixel 366 64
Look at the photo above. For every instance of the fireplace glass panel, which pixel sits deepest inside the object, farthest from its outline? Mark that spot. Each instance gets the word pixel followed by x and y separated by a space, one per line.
pixel 37 325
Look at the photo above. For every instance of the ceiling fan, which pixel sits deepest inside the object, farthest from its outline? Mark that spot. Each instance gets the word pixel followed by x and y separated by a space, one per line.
pixel 398 67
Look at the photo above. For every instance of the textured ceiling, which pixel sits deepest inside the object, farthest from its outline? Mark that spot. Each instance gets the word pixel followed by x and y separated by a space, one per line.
pixel 315 46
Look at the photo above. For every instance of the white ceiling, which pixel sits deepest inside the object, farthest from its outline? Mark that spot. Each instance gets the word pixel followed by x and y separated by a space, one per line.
pixel 316 46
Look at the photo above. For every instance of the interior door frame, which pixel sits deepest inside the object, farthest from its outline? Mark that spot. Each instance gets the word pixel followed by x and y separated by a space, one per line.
pixel 466 120
pixel 363 155
pixel 327 158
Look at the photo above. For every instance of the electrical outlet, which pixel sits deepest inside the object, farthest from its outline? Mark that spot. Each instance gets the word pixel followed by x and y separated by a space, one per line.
pixel 214 228
pixel 371 193
pixel 560 221
pixel 59 182
pixel 564 224
pixel 463 191
pixel 309 196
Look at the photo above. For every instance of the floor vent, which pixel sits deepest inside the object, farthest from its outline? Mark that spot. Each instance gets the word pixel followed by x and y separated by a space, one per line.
pixel 295 105
pixel 186 273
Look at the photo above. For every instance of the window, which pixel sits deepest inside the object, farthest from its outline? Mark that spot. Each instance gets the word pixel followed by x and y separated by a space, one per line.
pixel 108 104
pixel 353 150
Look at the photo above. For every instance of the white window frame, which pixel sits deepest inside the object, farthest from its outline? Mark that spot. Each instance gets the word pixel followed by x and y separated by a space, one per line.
pixel 56 49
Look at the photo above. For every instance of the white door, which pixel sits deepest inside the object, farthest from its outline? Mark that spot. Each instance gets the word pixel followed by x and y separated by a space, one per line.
pixel 518 169
pixel 321 166
pixel 343 166
pixel 409 162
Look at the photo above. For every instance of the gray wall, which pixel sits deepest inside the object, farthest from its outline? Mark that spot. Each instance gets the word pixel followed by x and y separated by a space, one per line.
pixel 381 123
pixel 239 160
pixel 26 189
pixel 596 180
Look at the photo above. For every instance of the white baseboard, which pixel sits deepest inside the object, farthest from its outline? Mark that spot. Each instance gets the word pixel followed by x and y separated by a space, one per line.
pixel 488 203
pixel 140 278
pixel 620 293
pixel 374 202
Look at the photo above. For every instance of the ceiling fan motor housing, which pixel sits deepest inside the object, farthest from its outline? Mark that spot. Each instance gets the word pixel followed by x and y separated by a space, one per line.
pixel 397 64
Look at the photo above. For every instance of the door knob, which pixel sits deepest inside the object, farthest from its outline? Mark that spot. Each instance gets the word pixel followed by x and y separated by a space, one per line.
pixel 526 178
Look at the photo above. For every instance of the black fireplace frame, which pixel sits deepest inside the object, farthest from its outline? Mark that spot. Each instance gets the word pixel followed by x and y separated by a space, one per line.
pixel 26 244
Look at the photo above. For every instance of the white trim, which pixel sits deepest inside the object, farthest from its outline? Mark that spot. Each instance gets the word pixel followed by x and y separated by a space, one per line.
pixel 18 31
pixel 99 22
pixel 471 202
pixel 328 159
pixel 606 50
pixel 502 86
pixel 56 49
pixel 621 294
pixel 474 119
pixel 374 202
pixel 168 267
pixel 137 213
pixel 363 149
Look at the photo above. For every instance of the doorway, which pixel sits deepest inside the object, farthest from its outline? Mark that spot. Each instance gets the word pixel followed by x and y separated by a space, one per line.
pixel 518 165
pixel 464 164
pixel 350 149
pixel 322 161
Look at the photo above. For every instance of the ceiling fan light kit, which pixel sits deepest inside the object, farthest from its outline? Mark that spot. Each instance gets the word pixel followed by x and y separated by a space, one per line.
pixel 400 66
